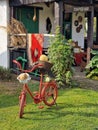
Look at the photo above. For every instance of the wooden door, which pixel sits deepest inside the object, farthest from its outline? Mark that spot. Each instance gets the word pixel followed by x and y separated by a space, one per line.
pixel 25 15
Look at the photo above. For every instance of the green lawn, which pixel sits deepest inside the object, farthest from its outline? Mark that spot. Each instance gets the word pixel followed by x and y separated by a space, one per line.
pixel 77 109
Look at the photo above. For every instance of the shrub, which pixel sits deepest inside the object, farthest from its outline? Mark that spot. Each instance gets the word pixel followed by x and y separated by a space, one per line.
pixel 92 67
pixel 60 53
pixel 5 73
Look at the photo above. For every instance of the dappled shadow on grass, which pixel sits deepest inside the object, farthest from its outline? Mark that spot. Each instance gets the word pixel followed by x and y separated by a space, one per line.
pixel 80 110
pixel 62 110
pixel 41 114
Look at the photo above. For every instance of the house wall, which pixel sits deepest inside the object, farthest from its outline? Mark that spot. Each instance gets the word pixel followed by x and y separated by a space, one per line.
pixel 79 37
pixel 4 13
pixel 43 14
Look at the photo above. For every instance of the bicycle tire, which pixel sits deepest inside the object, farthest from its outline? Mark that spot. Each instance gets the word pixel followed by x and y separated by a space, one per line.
pixel 49 93
pixel 21 105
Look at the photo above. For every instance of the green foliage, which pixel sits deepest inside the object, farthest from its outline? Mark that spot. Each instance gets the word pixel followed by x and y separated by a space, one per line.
pixel 92 67
pixel 60 53
pixel 5 73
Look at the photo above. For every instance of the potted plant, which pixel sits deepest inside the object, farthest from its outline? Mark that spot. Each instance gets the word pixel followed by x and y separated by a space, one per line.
pixel 60 53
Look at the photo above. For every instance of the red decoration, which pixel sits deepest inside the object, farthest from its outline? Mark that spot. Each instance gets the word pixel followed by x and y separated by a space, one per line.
pixel 78 57
pixel 35 46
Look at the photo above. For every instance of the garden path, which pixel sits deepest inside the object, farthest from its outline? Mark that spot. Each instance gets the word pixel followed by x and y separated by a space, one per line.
pixel 80 77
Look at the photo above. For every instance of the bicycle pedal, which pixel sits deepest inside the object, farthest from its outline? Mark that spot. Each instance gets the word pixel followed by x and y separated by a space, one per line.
pixel 40 107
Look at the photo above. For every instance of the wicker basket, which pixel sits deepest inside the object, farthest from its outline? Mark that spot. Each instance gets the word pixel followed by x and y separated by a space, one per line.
pixel 45 65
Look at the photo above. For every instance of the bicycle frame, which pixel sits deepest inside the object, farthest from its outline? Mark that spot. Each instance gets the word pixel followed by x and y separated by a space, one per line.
pixel 47 91
pixel 35 66
pixel 37 97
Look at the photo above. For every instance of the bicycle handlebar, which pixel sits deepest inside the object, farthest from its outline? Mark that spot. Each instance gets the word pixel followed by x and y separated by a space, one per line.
pixel 35 65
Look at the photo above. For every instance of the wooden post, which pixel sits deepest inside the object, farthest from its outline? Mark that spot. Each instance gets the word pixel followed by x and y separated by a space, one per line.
pixel 61 15
pixel 90 32
pixel 58 14
pixel 97 29
pixel 11 12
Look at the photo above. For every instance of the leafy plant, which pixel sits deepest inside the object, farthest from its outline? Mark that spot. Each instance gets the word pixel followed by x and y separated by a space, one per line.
pixel 92 67
pixel 60 53
pixel 5 73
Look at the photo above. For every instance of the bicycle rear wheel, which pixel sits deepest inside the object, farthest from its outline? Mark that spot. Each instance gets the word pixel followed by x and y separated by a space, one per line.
pixel 22 102
pixel 49 93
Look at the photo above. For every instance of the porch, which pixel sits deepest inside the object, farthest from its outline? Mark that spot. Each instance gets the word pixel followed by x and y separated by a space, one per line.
pixel 68 14
pixel 64 13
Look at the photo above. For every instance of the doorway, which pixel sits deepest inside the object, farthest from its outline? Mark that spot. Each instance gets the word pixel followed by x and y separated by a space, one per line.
pixel 25 15
pixel 68 25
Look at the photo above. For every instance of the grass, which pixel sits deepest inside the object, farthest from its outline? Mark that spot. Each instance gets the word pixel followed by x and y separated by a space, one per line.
pixel 77 109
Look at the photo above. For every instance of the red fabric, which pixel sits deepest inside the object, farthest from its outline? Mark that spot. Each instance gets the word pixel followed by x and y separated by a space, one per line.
pixel 78 57
pixel 36 44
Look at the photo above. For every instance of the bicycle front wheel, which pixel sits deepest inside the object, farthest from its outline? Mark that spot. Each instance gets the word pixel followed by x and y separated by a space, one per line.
pixel 22 102
pixel 49 93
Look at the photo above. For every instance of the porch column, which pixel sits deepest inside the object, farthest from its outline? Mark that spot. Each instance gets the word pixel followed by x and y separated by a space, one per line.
pixel 90 32
pixel 58 14
pixel 61 15
pixel 97 29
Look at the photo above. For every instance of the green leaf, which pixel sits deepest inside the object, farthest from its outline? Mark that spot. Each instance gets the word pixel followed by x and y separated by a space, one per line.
pixel 61 55
pixel 94 52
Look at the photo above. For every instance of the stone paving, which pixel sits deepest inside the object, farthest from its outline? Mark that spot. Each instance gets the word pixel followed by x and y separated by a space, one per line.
pixel 80 77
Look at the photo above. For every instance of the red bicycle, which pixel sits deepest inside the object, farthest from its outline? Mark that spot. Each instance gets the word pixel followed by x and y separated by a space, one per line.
pixel 47 92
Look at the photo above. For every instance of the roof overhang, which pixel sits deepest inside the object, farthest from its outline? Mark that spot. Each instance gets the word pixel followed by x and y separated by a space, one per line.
pixel 27 2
